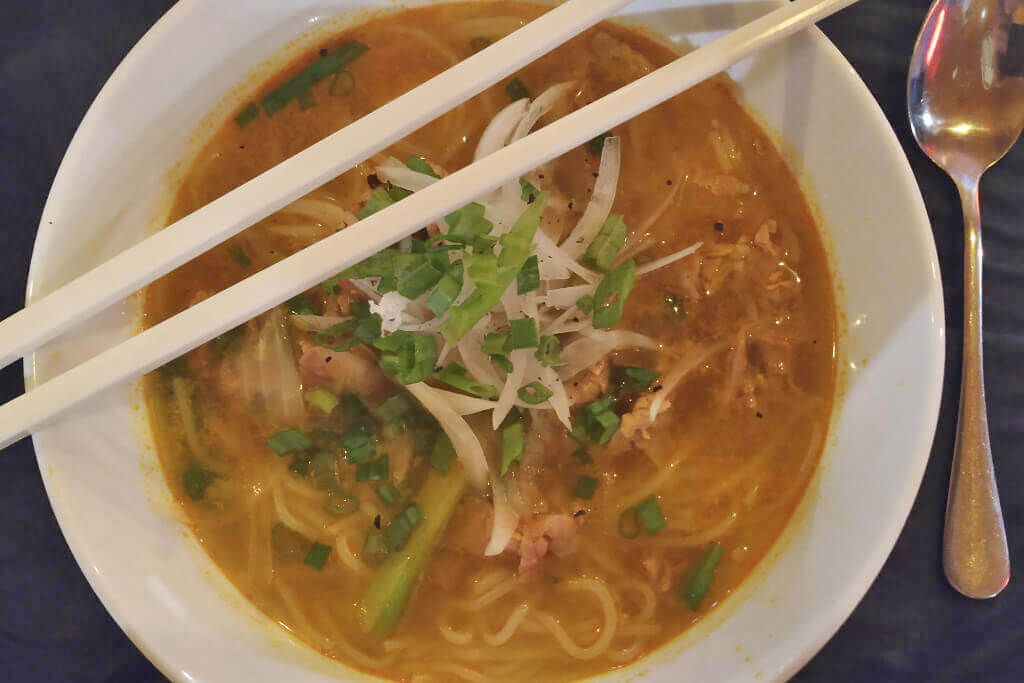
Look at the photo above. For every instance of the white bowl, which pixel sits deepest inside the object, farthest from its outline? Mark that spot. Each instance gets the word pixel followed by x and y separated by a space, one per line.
pixel 109 494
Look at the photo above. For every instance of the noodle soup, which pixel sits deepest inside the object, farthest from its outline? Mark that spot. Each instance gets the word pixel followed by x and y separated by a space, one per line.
pixel 538 439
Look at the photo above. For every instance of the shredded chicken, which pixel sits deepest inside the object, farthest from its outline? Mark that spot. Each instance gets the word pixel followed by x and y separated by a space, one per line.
pixel 636 422
pixel 589 384
pixel 658 571
pixel 720 184
pixel 344 372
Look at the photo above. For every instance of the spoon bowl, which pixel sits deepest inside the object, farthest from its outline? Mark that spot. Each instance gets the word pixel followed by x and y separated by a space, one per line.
pixel 965 100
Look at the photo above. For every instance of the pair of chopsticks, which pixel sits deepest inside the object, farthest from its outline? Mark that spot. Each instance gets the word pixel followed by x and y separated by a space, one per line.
pixel 295 177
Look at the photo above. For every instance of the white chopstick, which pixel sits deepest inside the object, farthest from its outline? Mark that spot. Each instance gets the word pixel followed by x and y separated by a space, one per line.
pixel 302 270
pixel 297 176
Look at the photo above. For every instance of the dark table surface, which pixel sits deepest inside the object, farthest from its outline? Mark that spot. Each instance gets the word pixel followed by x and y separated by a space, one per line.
pixel 54 57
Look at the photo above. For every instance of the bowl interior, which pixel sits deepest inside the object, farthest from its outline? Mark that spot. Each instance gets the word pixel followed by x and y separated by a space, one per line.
pixel 105 483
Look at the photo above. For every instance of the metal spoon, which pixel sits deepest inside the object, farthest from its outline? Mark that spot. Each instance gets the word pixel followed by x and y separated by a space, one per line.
pixel 965 97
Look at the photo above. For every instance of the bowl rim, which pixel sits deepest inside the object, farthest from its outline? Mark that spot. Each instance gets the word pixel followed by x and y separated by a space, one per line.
pixel 814 635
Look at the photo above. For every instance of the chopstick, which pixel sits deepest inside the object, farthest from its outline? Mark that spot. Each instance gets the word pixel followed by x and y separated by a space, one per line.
pixel 297 176
pixel 304 269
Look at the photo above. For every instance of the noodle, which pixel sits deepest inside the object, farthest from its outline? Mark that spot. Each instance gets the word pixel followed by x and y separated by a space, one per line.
pixel 607 632
pixel 512 624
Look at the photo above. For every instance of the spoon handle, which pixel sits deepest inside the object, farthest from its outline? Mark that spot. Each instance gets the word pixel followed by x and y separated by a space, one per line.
pixel 974 552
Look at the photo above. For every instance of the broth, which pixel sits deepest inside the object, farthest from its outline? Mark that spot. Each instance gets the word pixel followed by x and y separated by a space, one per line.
pixel 746 324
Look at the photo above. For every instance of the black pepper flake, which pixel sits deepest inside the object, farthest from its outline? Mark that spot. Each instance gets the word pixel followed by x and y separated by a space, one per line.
pixel 669 182
pixel 595 174
pixel 760 416
pixel 530 198
pixel 323 52
pixel 241 147
pixel 719 227
pixel 328 359
pixel 579 513
pixel 373 181
pixel 570 206
pixel 376 521
pixel 655 389
pixel 814 341
pixel 541 176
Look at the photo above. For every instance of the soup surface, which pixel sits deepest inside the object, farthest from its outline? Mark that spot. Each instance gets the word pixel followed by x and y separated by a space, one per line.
pixel 631 453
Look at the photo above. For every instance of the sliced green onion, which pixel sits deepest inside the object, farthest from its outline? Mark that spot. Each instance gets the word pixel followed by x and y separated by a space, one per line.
pixel 582 455
pixel 307 100
pixel 402 525
pixel 585 488
pixel 528 278
pixel 322 399
pixel 612 292
pixel 394 411
pixel 495 343
pixel 483 269
pixel 241 258
pixel 674 306
pixel 606 245
pixel 299 466
pixel 549 351
pixel 340 504
pixel 388 283
pixel 359 309
pixel 388 494
pixel 629 526
pixel 516 90
pixel 415 281
pixel 516 247
pixel 634 379
pixel 442 454
pixel 596 146
pixel 447 290
pixel 534 393
pixel 512 442
pixel 350 333
pixel 195 480
pixel 410 358
pixel 649 514
pixel 289 440
pixel 375 470
pixel 317 556
pixel 530 192
pixel 467 225
pixel 300 305
pixel 375 547
pixel 359 447
pixel 586 304
pixel 312 74
pixel 479 43
pixel 502 361
pixel 420 165
pixel 354 415
pixel 388 263
pixel 379 200
pixel 454 375
pixel 699 583
pixel 522 334
pixel 247 115
pixel 600 421
pixel 324 474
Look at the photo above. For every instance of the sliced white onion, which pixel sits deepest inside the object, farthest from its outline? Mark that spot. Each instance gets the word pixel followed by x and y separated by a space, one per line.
pixel 467 446
pixel 559 400
pixel 367 288
pixel 476 361
pixel 506 519
pixel 397 173
pixel 566 297
pixel 510 392
pixel 463 404
pixel 316 323
pixel 667 260
pixel 676 375
pixel 601 201
pixel 581 354
pixel 500 129
pixel 620 339
pixel 539 107
pixel 322 211
pixel 547 249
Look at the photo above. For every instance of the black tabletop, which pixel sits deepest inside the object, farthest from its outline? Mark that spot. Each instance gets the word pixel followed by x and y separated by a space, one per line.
pixel 54 57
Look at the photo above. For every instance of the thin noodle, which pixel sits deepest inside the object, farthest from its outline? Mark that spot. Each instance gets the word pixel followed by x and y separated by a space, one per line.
pixel 349 559
pixel 463 672
pixel 290 520
pixel 340 642
pixel 506 632
pixel 607 633
pixel 454 637
pixel 496 593
pixel 650 600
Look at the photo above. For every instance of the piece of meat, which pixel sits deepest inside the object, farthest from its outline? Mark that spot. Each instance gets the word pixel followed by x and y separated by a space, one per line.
pixel 636 422
pixel 342 372
pixel 763 236
pixel 589 384
pixel 782 285
pixel 539 536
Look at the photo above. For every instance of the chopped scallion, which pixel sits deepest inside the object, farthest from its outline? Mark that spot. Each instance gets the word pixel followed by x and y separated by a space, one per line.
pixel 606 245
pixel 375 470
pixel 379 200
pixel 289 440
pixel 528 278
pixel 322 399
pixel 388 494
pixel 512 442
pixel 241 258
pixel 420 165
pixel 530 192
pixel 454 375
pixel 415 281
pixel 522 334
pixel 195 480
pixel 495 343
pixel 596 146
pixel 247 115
pixel 585 488
pixel 358 446
pixel 317 556
pixel 375 547
pixel 324 474
pixel 586 304
pixel 634 379
pixel 549 351
pixel 402 525
pixel 442 454
pixel 312 74
pixel 502 361
pixel 534 393
pixel 649 514
pixel 612 292
pixel 699 583
pixel 340 504
pixel 300 305
pixel 516 90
